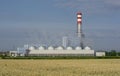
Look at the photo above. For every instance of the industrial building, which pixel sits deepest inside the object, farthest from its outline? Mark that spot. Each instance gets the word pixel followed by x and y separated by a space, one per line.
pixel 64 50
pixel 100 53
pixel 15 53
pixel 59 51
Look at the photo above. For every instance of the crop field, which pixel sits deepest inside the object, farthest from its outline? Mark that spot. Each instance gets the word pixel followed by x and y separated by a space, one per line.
pixel 61 67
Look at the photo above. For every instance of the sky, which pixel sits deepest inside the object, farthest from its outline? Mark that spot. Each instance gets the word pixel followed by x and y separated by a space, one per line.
pixel 45 22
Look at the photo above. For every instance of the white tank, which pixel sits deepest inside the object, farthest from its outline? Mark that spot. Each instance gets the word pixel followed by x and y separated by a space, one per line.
pixel 87 48
pixel 32 48
pixel 59 48
pixel 69 48
pixel 78 48
pixel 41 48
pixel 50 48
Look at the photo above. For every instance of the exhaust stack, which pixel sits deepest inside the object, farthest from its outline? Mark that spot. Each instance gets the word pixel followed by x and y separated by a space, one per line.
pixel 79 29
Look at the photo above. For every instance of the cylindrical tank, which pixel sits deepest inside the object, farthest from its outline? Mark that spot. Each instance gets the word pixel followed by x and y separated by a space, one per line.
pixel 41 48
pixel 59 48
pixel 69 48
pixel 78 48
pixel 87 48
pixel 32 48
pixel 50 48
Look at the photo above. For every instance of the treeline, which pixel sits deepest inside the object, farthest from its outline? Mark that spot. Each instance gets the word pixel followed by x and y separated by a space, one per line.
pixel 112 53
pixel 62 57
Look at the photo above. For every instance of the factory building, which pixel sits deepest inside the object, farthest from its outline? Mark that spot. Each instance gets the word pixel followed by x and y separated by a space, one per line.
pixel 59 51
pixel 64 50
pixel 15 53
pixel 100 53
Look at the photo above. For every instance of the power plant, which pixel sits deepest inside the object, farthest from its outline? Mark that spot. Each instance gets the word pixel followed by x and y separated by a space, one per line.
pixel 64 50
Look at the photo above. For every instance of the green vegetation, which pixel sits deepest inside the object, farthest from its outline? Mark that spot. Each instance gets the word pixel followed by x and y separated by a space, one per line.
pixel 112 53
pixel 62 57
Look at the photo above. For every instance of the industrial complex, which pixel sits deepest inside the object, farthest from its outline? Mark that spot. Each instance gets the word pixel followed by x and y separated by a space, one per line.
pixel 64 50
pixel 60 51
pixel 80 50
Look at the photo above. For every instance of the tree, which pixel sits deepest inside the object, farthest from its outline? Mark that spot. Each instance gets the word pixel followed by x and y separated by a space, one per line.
pixel 118 53
pixel 113 53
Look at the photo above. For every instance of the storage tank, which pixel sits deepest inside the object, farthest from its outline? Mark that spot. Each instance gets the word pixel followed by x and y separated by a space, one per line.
pixel 69 48
pixel 87 48
pixel 59 48
pixel 41 48
pixel 50 48
pixel 32 48
pixel 78 48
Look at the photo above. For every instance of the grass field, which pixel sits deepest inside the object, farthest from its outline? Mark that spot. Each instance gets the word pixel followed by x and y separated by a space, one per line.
pixel 83 67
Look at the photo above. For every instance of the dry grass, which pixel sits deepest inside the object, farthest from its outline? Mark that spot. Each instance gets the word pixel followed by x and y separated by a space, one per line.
pixel 87 67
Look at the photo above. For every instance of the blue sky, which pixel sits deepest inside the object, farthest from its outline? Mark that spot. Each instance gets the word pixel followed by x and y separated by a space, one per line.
pixel 46 21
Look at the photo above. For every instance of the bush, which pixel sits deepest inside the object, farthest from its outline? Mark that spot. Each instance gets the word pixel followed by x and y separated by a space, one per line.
pixel 62 57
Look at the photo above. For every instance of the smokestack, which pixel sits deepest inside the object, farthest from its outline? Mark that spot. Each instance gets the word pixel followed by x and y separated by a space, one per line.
pixel 79 23
pixel 79 29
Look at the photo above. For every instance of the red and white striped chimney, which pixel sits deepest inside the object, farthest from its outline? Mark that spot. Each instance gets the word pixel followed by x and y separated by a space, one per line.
pixel 79 23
